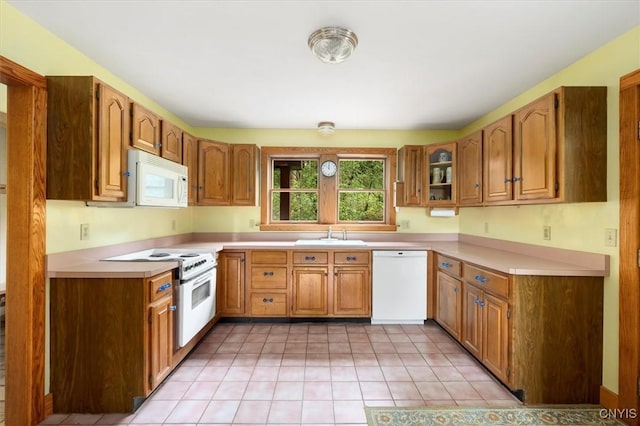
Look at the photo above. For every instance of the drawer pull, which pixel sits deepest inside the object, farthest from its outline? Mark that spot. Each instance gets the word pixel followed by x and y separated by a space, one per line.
pixel 265 300
pixel 351 258
pixel 310 258
pixel 481 279
pixel 446 264
pixel 267 274
pixel 163 287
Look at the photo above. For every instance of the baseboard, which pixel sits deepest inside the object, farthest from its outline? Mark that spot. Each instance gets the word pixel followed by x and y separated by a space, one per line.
pixel 608 399
pixel 48 405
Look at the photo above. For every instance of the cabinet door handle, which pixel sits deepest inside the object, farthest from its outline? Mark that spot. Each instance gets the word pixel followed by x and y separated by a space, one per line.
pixel 446 264
pixel 351 258
pixel 267 274
pixel 163 287
pixel 507 180
pixel 173 308
pixel 265 300
pixel 477 185
pixel 310 258
pixel 480 303
pixel 456 290
pixel 481 279
pixel 517 179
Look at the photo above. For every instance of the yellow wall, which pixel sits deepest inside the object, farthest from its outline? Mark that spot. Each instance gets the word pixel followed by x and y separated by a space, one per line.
pixel 574 226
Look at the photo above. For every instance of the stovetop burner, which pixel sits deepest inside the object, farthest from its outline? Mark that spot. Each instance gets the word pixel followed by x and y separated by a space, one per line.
pixel 159 255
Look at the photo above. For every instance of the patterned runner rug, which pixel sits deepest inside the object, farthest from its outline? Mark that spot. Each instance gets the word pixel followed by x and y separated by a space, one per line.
pixel 468 416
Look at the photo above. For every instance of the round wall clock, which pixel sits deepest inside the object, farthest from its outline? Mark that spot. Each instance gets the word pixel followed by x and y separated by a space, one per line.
pixel 329 168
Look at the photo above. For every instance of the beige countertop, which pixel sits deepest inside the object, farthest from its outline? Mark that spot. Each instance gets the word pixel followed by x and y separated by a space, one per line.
pixel 513 258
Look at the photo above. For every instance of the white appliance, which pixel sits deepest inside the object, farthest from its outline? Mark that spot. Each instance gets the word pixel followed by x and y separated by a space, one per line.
pixel 399 287
pixel 195 282
pixel 155 181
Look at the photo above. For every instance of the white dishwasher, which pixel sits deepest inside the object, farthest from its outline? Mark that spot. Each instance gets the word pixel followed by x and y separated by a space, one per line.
pixel 399 287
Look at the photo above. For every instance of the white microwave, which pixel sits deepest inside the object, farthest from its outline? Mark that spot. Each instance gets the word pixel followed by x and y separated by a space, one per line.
pixel 155 181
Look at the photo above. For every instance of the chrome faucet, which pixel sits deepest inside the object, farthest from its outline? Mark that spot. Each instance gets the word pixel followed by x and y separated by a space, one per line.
pixel 329 233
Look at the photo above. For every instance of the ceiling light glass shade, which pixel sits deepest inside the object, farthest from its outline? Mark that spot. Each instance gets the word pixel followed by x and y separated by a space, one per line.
pixel 333 45
pixel 326 127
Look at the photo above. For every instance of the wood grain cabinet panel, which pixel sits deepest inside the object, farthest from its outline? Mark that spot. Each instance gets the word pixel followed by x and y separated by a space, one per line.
pixel 111 341
pixel 171 142
pixel 231 283
pixel 310 291
pixel 449 303
pixel 498 160
pixel 145 129
pixel 410 172
pixel 470 182
pixel 440 175
pixel 190 159
pixel 245 162
pixel 214 178
pixel 87 137
pixel 351 291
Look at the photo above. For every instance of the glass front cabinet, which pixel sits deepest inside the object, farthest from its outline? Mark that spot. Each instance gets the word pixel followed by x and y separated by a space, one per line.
pixel 441 162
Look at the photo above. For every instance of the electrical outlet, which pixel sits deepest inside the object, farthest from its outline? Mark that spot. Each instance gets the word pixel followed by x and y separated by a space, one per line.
pixel 546 232
pixel 610 237
pixel 84 231
pixel 486 227
pixel 405 224
pixel 252 223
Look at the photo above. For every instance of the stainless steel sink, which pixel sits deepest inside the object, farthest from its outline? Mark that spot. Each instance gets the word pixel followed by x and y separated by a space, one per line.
pixel 330 242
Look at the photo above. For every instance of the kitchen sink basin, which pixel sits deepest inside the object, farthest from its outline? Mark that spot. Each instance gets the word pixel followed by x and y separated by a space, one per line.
pixel 330 242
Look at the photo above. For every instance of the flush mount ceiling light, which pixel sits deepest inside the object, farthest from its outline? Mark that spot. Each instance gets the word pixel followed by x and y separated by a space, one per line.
pixel 326 127
pixel 332 45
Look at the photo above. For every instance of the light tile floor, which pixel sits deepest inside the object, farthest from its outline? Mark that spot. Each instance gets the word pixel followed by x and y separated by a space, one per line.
pixel 318 373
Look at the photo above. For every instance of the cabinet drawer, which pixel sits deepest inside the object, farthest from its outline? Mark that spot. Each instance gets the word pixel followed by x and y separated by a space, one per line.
pixel 160 286
pixel 351 257
pixel 274 304
pixel 269 257
pixel 449 265
pixel 487 280
pixel 310 257
pixel 269 277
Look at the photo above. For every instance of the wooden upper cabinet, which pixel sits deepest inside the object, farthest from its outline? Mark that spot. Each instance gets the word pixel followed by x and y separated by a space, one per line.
pixel 554 150
pixel 410 170
pixel 498 160
pixel 214 178
pixel 245 161
pixel 145 131
pixel 470 170
pixel 440 174
pixel 534 150
pixel 87 138
pixel 190 159
pixel 171 142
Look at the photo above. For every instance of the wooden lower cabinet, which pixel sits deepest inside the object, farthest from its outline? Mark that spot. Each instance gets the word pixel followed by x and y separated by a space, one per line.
pixel 309 291
pixel 449 303
pixel 540 335
pixel 230 288
pixel 111 341
pixel 268 283
pixel 351 291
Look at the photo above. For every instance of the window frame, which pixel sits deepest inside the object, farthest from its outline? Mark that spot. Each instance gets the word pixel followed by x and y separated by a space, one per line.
pixel 327 187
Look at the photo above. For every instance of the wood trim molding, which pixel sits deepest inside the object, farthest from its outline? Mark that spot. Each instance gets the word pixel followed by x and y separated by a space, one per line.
pixel 48 404
pixel 608 399
pixel 629 278
pixel 26 201
pixel 13 74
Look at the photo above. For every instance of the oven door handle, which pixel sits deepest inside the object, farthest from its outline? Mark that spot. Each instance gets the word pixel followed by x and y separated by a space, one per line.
pixel 204 277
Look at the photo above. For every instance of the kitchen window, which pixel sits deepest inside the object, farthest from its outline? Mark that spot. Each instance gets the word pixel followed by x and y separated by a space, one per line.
pixel 298 195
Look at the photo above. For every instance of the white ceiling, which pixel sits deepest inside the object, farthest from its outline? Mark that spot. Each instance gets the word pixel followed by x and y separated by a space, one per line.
pixel 419 64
